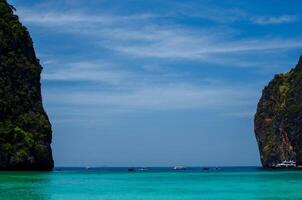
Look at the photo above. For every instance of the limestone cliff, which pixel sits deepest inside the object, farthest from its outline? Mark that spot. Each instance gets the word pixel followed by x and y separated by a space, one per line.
pixel 25 131
pixel 278 121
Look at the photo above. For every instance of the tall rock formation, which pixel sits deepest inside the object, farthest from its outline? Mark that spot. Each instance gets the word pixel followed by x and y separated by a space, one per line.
pixel 278 121
pixel 25 131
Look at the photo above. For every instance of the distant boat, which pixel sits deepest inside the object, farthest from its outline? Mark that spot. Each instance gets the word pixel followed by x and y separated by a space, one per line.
pixel 143 169
pixel 206 168
pixel 179 167
pixel 87 167
pixel 130 169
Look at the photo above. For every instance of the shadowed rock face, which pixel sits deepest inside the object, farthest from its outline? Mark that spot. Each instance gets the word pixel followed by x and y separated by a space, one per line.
pixel 25 131
pixel 278 121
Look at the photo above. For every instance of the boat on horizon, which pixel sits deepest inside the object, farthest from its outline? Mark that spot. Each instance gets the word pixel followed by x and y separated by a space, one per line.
pixel 143 169
pixel 179 167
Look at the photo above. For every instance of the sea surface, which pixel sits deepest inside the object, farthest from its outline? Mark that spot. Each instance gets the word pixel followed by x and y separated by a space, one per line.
pixel 156 183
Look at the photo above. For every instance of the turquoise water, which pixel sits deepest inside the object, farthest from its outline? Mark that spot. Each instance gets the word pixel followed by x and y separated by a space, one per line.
pixel 153 184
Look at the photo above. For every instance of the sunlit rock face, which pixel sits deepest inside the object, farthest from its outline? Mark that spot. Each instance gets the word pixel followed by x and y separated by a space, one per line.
pixel 278 121
pixel 25 131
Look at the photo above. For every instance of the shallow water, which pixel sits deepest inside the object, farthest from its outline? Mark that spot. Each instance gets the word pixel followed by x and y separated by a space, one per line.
pixel 113 184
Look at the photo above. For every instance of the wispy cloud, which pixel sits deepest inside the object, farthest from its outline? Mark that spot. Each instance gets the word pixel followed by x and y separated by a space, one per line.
pixel 132 91
pixel 161 97
pixel 267 20
pixel 141 36
pixel 231 15
pixel 192 47
pixel 53 18
pixel 87 71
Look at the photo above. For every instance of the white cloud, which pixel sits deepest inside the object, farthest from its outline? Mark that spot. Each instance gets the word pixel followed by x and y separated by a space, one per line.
pixel 262 20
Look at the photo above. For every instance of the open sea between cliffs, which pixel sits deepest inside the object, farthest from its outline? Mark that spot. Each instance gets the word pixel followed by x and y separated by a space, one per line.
pixel 156 183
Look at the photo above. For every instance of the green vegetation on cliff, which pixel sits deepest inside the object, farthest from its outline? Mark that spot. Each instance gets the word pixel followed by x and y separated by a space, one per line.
pixel 25 131
pixel 278 121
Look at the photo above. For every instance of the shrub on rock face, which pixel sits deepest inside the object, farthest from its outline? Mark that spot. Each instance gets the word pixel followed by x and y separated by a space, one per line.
pixel 25 131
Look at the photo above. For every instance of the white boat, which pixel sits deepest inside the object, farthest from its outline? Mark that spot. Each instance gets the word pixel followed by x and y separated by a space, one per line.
pixel 179 167
pixel 287 164
pixel 143 169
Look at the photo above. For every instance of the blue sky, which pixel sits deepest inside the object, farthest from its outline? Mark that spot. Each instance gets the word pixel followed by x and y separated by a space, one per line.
pixel 158 83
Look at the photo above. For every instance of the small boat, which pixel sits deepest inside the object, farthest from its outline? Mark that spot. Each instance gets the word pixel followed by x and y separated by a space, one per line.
pixel 87 167
pixel 287 164
pixel 130 169
pixel 143 169
pixel 179 167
